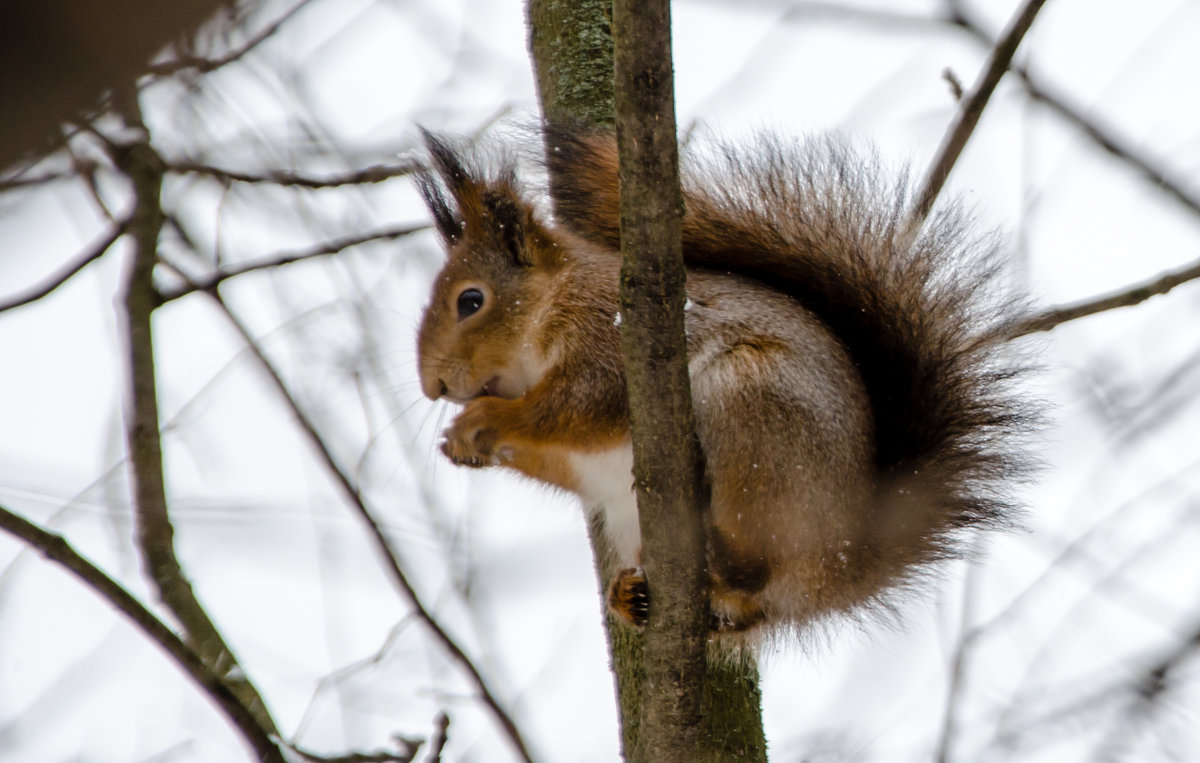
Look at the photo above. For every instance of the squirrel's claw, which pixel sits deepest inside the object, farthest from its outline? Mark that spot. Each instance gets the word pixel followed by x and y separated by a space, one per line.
pixel 629 596
pixel 469 441
pixel 461 456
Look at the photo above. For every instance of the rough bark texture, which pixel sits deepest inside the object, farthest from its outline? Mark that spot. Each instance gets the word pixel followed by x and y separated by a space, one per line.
pixel 572 48
pixel 667 462
pixel 572 59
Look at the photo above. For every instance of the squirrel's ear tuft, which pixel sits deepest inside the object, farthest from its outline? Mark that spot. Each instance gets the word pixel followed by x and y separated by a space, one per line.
pixel 465 200
pixel 449 225
pixel 455 179
pixel 510 223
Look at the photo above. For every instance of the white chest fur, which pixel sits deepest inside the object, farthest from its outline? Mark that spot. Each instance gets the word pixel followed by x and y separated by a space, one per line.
pixel 606 486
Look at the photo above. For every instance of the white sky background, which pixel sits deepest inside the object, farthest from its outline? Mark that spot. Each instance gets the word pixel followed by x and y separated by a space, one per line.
pixel 284 567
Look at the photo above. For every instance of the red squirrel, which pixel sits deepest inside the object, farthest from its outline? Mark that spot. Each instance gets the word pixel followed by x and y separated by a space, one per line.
pixel 851 387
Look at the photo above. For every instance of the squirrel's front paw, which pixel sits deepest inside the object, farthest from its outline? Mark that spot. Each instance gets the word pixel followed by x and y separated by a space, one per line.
pixel 469 441
pixel 629 596
pixel 468 447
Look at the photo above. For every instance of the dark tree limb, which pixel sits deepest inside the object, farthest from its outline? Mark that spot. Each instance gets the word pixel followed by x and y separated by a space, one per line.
pixel 47 287
pixel 376 173
pixel 324 249
pixel 573 67
pixel 56 549
pixel 667 461
pixel 154 531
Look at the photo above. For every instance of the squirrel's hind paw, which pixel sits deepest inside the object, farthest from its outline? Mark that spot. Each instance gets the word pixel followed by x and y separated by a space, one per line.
pixel 629 597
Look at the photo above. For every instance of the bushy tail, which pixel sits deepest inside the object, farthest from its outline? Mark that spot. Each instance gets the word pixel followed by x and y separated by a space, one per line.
pixel 922 318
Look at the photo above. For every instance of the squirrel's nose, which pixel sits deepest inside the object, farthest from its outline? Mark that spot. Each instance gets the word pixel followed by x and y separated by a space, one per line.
pixel 433 387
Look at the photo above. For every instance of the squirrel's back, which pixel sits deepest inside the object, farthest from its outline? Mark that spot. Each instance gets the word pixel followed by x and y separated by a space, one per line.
pixel 923 317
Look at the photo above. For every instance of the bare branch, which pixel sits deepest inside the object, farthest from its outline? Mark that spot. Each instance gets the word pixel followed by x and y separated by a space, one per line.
pixel 204 65
pixel 382 543
pixel 155 533
pixel 21 182
pixel 57 549
pixel 1148 690
pixel 404 756
pixel 321 250
pixel 969 112
pixel 1127 297
pixel 374 174
pixel 1104 136
pixel 808 11
pixel 47 287
pixel 438 743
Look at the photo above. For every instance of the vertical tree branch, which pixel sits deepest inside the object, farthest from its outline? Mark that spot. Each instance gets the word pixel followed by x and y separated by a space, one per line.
pixel 574 90
pixel 969 111
pixel 155 533
pixel 667 461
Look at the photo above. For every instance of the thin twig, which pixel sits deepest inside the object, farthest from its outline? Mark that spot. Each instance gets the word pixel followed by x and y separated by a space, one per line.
pixel 204 65
pixel 1104 136
pixel 958 667
pixel 379 537
pixel 438 743
pixel 47 287
pixel 1147 687
pixel 57 549
pixel 1077 550
pixel 1111 572
pixel 208 283
pixel 1108 139
pixel 19 183
pixel 404 756
pixel 969 112
pixel 1132 295
pixel 376 173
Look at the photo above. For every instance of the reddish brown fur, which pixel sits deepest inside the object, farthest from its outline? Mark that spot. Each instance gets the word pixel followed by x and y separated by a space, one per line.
pixel 850 413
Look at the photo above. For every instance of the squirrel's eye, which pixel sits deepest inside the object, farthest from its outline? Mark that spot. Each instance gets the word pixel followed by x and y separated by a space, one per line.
pixel 469 302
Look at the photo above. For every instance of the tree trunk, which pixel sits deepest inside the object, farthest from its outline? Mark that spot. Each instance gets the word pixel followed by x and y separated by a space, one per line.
pixel 668 466
pixel 572 51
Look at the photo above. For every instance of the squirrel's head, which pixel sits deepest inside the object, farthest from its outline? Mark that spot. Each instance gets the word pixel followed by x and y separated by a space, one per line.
pixel 477 336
